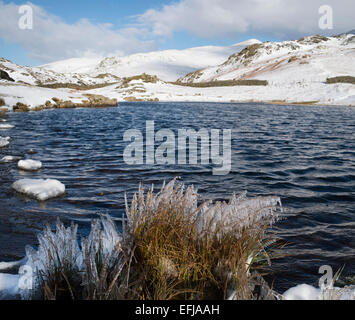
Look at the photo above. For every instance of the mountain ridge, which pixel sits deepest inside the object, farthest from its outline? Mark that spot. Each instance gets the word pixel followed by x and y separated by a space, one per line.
pixel 168 65
pixel 292 72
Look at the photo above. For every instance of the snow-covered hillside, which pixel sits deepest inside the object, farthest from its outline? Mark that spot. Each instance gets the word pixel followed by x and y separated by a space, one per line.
pixel 41 76
pixel 168 65
pixel 308 60
pixel 296 72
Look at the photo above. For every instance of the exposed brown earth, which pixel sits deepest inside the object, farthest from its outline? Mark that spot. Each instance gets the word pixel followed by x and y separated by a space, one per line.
pixel 344 79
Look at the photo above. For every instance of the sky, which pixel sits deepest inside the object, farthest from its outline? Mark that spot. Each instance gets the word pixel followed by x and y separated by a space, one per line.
pixel 85 28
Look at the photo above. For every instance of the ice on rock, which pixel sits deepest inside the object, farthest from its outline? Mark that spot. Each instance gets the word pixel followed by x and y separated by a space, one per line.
pixel 10 265
pixel 4 142
pixel 5 126
pixel 302 292
pixel 29 165
pixel 7 159
pixel 8 284
pixel 41 190
pixel 307 292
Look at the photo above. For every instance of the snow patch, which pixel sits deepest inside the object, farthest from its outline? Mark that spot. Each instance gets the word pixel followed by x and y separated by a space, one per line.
pixel 307 292
pixel 41 190
pixel 302 292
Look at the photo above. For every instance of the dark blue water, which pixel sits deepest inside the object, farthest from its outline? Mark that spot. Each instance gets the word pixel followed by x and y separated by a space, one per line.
pixel 306 155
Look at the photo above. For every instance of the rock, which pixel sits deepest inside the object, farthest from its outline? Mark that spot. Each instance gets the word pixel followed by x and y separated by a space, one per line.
pixel 5 76
pixel 93 101
pixel 21 107
pixel 48 105
pixel 65 104
pixel 96 100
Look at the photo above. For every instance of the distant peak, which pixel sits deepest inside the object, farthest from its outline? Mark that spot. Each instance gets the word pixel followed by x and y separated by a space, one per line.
pixel 246 43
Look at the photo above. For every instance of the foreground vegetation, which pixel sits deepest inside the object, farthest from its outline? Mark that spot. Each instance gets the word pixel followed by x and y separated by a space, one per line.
pixel 170 248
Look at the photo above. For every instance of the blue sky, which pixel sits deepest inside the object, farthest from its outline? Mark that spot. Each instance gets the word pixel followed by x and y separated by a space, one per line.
pixel 59 31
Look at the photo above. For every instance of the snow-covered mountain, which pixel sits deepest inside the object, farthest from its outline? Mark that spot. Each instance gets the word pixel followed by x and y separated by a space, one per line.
pixel 308 60
pixel 41 76
pixel 296 72
pixel 168 65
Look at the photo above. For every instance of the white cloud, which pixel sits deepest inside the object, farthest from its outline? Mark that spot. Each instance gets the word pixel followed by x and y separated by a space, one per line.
pixel 53 39
pixel 220 18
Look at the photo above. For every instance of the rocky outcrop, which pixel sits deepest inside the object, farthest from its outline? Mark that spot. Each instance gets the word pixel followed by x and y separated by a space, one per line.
pixel 5 76
pixel 93 101
pixel 134 99
pixel 342 79
pixel 21 107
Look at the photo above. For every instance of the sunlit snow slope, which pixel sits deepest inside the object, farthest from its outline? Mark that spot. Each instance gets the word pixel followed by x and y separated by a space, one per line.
pixel 168 65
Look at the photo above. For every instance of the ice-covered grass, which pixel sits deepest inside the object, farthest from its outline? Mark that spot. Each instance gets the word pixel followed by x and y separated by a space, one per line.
pixel 29 165
pixel 41 190
pixel 198 251
pixel 171 247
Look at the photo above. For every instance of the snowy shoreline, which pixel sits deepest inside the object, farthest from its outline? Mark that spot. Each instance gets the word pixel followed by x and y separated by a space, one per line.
pixel 31 98
pixel 296 72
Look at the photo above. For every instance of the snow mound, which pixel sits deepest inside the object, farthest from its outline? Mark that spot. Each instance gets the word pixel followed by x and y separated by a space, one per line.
pixel 41 190
pixel 29 165
pixel 7 159
pixel 4 142
pixel 302 292
pixel 5 126
pixel 307 292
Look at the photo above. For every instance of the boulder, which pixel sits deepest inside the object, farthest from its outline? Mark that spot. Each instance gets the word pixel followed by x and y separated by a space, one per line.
pixel 5 76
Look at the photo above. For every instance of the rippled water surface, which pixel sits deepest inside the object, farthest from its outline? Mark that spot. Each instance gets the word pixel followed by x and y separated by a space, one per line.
pixel 306 155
